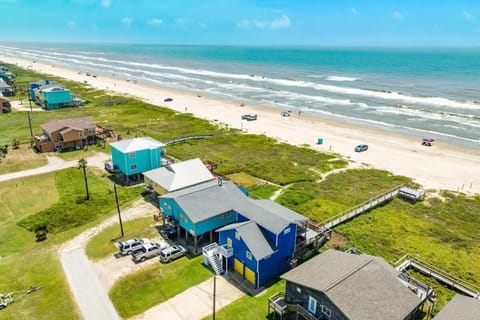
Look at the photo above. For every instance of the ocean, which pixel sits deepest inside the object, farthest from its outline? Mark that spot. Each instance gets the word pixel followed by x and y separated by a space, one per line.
pixel 419 92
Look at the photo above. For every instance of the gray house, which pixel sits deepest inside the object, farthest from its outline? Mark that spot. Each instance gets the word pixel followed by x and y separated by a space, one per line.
pixel 460 308
pixel 337 285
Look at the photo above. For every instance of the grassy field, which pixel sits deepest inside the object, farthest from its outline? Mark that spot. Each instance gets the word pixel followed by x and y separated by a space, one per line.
pixel 20 159
pixel 23 261
pixel 102 246
pixel 142 290
pixel 72 210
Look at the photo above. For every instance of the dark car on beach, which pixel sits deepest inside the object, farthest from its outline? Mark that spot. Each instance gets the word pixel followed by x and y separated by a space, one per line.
pixel 168 100
pixel 361 148
pixel 249 117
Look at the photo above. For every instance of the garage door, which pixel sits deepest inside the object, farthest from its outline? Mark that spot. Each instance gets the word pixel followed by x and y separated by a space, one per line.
pixel 250 275
pixel 238 266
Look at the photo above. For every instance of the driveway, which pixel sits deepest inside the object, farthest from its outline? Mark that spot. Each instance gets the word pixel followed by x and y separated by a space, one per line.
pixel 89 292
pixel 55 164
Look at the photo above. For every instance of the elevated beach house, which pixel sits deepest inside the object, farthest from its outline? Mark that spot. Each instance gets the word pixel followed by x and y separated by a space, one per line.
pixel 6 90
pixel 34 86
pixel 136 156
pixel 460 308
pixel 338 285
pixel 177 176
pixel 257 239
pixel 66 134
pixel 5 106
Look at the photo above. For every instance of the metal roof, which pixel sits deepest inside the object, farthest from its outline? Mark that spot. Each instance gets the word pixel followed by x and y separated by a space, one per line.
pixel 460 308
pixel 180 175
pixel 361 286
pixel 253 237
pixel 136 144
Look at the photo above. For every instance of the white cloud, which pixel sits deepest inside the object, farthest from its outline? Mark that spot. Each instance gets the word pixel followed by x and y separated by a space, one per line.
pixel 280 23
pixel 155 22
pixel 106 3
pixel 127 21
pixel 468 16
pixel 397 15
pixel 353 11
pixel 71 24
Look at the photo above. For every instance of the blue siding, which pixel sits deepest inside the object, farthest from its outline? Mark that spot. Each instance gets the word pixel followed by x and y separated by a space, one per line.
pixel 215 222
pixel 144 160
pixel 118 159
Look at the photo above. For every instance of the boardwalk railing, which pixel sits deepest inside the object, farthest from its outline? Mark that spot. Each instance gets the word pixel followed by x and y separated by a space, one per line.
pixel 189 137
pixel 340 218
pixel 407 261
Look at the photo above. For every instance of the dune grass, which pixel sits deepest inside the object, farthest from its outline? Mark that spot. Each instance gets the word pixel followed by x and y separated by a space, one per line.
pixel 155 284
pixel 23 158
pixel 102 246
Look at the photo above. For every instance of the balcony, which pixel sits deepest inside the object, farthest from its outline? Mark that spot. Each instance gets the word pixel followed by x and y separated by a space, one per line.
pixel 279 304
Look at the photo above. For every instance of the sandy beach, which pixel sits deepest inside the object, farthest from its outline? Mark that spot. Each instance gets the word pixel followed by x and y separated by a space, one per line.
pixel 441 166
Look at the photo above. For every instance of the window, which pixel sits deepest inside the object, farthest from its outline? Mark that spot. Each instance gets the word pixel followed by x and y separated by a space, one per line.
pixel 326 311
pixel 248 254
pixel 133 166
pixel 166 205
pixel 132 154
pixel 229 243
pixel 91 131
pixel 287 230
pixel 237 236
pixel 180 216
pixel 312 305
pixel 80 134
pixel 227 215
pixel 299 290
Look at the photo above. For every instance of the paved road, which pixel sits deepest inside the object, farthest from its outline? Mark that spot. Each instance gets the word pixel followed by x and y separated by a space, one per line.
pixel 55 164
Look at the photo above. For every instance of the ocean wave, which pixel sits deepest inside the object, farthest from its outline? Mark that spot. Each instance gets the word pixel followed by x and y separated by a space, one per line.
pixel 341 79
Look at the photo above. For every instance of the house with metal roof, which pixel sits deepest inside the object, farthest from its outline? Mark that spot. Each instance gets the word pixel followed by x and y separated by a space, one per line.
pixel 339 286
pixel 136 156
pixel 5 106
pixel 460 308
pixel 177 176
pixel 66 134
pixel 6 90
pixel 33 86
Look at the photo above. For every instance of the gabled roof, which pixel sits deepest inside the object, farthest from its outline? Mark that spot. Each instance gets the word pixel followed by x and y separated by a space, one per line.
pixel 361 286
pixel 253 237
pixel 280 211
pixel 81 123
pixel 136 144
pixel 180 175
pixel 207 200
pixel 460 308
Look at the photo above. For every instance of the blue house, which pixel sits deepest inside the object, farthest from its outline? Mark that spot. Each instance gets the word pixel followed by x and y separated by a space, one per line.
pixel 54 97
pixel 135 156
pixel 37 85
pixel 263 242
pixel 201 209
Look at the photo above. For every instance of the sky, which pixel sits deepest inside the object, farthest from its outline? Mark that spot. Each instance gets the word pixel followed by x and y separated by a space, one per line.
pixel 381 23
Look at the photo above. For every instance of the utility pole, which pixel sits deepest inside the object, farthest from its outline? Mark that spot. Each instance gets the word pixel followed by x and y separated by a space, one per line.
pixel 82 163
pixel 29 98
pixel 214 294
pixel 31 131
pixel 118 208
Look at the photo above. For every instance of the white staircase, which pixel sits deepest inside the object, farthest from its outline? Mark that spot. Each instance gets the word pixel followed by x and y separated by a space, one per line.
pixel 214 261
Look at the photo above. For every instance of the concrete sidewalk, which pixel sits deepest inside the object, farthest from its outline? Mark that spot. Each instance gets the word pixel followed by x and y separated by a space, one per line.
pixel 195 302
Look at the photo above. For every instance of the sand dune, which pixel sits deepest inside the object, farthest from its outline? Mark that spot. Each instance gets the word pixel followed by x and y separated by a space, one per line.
pixel 441 166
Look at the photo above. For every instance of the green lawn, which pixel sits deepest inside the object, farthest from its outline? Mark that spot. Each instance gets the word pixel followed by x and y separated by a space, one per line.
pixel 262 191
pixel 23 261
pixel 249 307
pixel 20 159
pixel 155 284
pixel 102 246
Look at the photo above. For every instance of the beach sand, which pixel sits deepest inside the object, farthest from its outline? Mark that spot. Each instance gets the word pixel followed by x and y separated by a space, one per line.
pixel 441 166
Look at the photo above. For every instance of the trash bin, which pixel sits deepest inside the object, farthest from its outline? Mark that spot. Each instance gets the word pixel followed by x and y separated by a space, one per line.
pixel 320 141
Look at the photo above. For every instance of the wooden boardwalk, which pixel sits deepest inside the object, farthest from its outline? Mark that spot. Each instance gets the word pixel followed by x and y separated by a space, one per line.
pixel 190 137
pixel 334 221
pixel 409 262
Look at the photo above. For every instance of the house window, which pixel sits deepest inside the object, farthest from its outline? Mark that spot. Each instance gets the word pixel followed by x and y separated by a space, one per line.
pixel 326 311
pixel 229 243
pixel 287 230
pixel 237 236
pixel 180 216
pixel 166 205
pixel 133 166
pixel 312 305
pixel 299 290
pixel 80 134
pixel 227 215
pixel 91 131
pixel 132 154
pixel 248 254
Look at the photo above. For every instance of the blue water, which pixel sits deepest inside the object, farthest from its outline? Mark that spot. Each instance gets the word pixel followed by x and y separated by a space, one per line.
pixel 420 92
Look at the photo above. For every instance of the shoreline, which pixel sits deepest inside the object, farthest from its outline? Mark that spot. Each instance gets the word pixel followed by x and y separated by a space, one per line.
pixel 442 166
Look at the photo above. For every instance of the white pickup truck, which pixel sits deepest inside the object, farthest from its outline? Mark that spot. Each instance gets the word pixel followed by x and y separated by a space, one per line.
pixel 147 251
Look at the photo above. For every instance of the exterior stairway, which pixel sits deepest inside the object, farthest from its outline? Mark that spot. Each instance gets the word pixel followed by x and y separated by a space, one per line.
pixel 215 263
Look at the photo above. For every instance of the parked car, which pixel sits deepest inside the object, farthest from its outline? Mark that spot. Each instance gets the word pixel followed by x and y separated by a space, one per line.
pixel 129 246
pixel 167 100
pixel 172 253
pixel 112 168
pixel 169 233
pixel 286 113
pixel 249 117
pixel 147 251
pixel 361 148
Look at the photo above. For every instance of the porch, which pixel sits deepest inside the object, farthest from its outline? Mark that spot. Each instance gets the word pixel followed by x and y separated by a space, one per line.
pixel 279 306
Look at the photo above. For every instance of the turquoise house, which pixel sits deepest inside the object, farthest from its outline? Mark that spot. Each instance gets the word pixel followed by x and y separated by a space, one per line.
pixel 55 97
pixel 135 156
